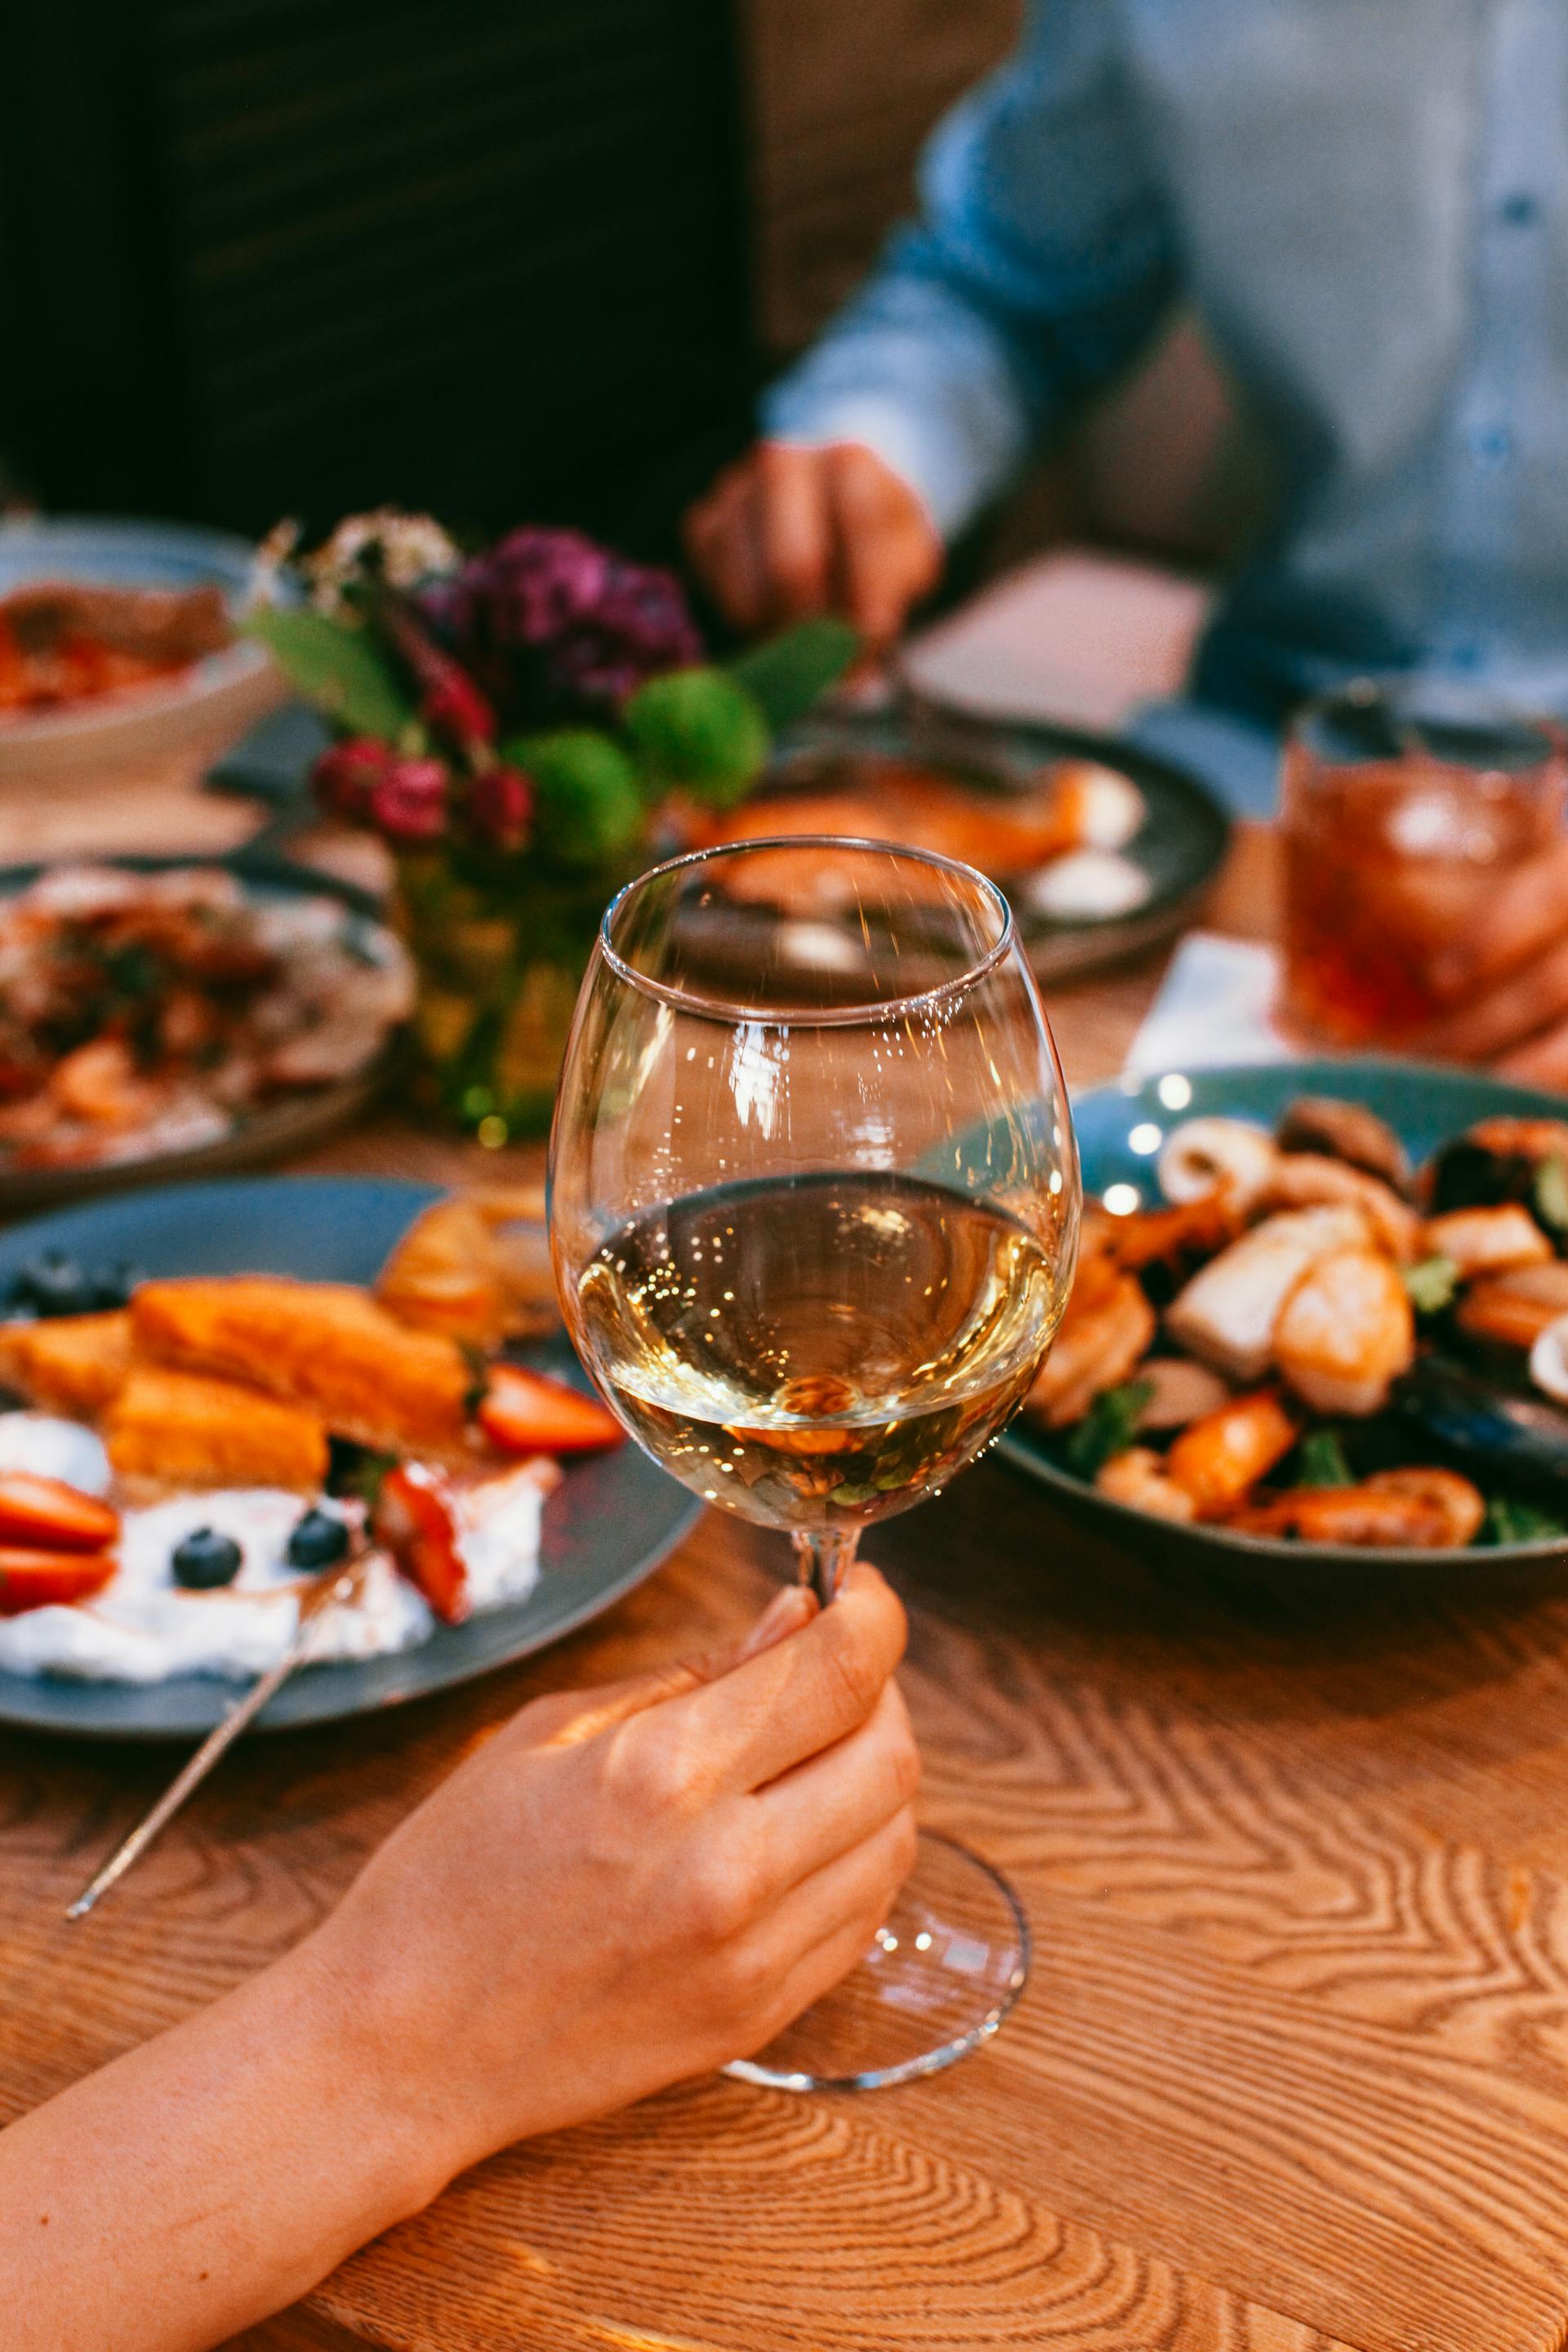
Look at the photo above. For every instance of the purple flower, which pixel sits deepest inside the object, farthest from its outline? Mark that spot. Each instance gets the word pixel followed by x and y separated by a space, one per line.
pixel 409 804
pixel 553 625
pixel 500 805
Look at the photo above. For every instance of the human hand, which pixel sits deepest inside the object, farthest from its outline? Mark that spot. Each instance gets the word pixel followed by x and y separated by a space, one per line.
pixel 1509 986
pixel 630 1886
pixel 789 531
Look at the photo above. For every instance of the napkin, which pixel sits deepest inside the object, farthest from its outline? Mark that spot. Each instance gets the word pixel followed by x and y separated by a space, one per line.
pixel 1216 1007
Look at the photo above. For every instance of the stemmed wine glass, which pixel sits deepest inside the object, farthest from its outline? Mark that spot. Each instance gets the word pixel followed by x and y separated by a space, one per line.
pixel 814 1209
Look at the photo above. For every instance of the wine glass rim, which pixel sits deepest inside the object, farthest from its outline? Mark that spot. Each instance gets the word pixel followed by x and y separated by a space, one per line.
pixel 826 1017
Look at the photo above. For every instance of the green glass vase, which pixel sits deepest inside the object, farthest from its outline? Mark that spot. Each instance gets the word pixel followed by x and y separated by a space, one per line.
pixel 498 963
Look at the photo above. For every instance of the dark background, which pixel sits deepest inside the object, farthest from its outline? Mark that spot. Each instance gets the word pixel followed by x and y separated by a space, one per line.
pixel 508 259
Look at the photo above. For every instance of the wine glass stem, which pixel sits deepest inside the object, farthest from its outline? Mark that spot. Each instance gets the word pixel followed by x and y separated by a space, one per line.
pixel 822 1557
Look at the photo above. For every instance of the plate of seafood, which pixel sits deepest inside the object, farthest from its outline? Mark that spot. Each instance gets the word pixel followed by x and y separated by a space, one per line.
pixel 119 639
pixel 1102 850
pixel 213 1396
pixel 160 1016
pixel 1320 1321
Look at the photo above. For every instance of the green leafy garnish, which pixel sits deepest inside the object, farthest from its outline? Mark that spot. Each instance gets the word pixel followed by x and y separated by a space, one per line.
pixel 1431 1283
pixel 342 669
pixel 1320 1461
pixel 788 674
pixel 1107 1427
pixel 1509 1519
pixel 1549 1195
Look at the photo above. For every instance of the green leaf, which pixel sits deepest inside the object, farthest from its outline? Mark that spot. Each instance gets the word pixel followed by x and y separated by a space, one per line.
pixel 1320 1461
pixel 1509 1519
pixel 1549 1195
pixel 1431 1283
pixel 788 674
pixel 340 669
pixel 1107 1427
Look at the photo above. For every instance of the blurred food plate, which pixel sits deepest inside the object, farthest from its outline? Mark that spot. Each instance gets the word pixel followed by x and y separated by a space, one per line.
pixel 219 1014
pixel 98 680
pixel 1466 1404
pixel 1103 850
pixel 607 1525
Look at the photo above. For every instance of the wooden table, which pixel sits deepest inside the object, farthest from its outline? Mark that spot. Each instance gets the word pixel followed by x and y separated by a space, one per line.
pixel 1291 2073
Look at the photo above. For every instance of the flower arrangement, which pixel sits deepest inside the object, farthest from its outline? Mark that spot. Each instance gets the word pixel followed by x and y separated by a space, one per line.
pixel 526 727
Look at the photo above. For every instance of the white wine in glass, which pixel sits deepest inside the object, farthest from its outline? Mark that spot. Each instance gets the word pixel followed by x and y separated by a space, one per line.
pixel 814 1206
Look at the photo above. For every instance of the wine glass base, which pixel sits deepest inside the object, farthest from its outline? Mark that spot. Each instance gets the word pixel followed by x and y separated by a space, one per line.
pixel 944 1970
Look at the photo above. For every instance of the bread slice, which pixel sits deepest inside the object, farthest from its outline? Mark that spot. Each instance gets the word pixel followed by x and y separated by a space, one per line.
pixel 178 1429
pixel 323 1345
pixel 73 1364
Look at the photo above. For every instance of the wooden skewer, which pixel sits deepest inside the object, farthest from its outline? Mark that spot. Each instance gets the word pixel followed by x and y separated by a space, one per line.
pixel 341 1587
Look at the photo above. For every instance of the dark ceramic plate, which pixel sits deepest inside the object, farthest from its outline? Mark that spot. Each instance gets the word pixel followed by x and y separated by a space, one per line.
pixel 1120 1130
pixel 293 1123
pixel 1180 845
pixel 606 1525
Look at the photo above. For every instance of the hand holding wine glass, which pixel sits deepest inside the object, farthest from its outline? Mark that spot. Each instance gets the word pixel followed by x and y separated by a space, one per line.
pixel 814 1208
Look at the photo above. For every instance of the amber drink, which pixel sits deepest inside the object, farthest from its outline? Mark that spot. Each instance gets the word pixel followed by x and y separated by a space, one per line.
pixel 1404 814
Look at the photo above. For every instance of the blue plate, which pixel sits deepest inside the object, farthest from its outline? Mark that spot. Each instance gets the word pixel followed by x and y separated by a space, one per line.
pixel 608 1524
pixel 1119 1131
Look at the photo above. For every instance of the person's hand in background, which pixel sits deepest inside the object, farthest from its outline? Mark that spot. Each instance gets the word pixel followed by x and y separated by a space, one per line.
pixel 788 531
pixel 1509 987
pixel 621 1888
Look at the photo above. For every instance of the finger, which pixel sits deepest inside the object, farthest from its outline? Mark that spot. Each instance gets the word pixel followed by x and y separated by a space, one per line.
pixel 1526 916
pixel 569 1718
pixel 723 539
pixel 833 1803
pixel 1543 1062
pixel 826 1927
pixel 1516 1008
pixel 794 525
pixel 887 553
pixel 801 1695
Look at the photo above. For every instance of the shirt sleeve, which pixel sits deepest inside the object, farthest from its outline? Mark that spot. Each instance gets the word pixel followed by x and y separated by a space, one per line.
pixel 1044 258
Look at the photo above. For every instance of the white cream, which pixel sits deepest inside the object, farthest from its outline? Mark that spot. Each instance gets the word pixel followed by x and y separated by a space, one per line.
pixel 1090 883
pixel 144 1627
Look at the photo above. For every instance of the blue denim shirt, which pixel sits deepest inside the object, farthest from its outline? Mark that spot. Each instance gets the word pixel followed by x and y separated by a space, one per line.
pixel 1367 201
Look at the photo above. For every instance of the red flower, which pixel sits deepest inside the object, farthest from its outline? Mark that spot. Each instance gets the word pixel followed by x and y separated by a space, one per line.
pixel 346 775
pixel 500 804
pixel 450 703
pixel 410 802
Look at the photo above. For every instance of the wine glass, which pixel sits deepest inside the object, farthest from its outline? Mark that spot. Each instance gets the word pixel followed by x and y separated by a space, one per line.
pixel 813 1204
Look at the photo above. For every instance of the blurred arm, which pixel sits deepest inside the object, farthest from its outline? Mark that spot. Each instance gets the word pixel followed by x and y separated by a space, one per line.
pixel 1043 261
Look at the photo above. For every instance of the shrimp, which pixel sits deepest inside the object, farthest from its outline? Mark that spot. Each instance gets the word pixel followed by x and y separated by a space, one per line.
pixel 1303 1180
pixel 1205 1156
pixel 1514 1309
pixel 1346 1333
pixel 1221 1456
pixel 1093 1351
pixel 1487 1241
pixel 1139 1478
pixel 1425 1509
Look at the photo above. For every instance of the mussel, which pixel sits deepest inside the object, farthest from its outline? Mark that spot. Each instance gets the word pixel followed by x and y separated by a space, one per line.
pixel 1519 1440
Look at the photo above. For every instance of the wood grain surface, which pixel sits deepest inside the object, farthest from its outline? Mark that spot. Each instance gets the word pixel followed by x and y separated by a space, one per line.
pixel 1291 2075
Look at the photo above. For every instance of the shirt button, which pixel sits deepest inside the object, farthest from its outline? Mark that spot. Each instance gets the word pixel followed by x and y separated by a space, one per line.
pixel 1491 446
pixel 1518 210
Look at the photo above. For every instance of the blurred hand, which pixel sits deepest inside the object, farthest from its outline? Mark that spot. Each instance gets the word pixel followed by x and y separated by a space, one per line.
pixel 627 1886
pixel 1510 987
pixel 786 533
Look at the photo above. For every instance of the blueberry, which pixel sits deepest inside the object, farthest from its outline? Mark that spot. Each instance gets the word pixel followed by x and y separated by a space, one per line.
pixel 317 1540
pixel 204 1559
pixel 53 1284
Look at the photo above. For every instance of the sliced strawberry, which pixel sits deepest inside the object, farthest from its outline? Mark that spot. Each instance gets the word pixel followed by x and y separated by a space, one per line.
pixel 415 1517
pixel 53 1516
pixel 31 1580
pixel 528 1413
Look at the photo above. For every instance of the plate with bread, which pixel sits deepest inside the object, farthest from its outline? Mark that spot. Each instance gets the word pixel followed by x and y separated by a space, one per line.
pixel 212 1394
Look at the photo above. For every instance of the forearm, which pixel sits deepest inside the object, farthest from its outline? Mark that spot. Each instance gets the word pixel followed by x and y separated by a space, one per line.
pixel 214 2175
